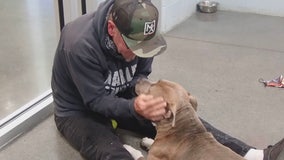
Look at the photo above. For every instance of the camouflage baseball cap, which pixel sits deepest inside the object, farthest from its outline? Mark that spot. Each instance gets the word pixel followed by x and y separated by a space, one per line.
pixel 137 21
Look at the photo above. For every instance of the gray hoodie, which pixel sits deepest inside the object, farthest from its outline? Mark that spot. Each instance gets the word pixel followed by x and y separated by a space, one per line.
pixel 89 75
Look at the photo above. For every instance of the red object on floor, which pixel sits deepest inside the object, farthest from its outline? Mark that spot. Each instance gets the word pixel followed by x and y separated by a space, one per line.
pixel 277 82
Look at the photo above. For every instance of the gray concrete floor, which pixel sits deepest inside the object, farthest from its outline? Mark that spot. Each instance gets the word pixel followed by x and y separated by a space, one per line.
pixel 219 59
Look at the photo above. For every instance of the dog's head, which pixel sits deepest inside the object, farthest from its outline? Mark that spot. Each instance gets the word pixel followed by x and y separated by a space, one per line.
pixel 174 94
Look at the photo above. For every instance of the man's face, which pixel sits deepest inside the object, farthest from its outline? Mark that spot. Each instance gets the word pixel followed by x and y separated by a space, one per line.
pixel 122 48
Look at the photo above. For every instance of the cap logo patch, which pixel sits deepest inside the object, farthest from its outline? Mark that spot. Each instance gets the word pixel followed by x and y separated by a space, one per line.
pixel 149 28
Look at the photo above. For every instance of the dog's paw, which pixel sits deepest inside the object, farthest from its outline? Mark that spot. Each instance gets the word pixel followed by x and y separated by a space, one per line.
pixel 147 143
pixel 136 154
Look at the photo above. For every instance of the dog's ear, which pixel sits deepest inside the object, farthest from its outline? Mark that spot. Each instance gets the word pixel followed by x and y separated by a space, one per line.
pixel 142 86
pixel 192 101
pixel 171 112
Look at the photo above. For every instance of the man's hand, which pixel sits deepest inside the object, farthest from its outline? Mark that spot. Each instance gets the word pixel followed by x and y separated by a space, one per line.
pixel 149 107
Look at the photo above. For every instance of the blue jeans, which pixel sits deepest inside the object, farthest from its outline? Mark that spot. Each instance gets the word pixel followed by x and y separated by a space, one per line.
pixel 93 136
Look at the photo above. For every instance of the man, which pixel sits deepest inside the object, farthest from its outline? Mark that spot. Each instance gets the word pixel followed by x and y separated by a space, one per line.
pixel 99 58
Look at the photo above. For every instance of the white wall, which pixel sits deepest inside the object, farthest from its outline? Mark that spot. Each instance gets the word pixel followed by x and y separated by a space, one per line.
pixel 174 12
pixel 266 7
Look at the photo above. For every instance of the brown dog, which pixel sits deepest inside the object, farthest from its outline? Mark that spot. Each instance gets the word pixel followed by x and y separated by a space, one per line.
pixel 181 136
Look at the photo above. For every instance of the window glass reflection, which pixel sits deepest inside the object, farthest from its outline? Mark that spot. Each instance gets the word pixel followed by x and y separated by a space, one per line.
pixel 27 45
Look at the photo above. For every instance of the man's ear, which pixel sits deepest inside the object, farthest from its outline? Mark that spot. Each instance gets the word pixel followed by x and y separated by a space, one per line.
pixel 111 28
pixel 193 101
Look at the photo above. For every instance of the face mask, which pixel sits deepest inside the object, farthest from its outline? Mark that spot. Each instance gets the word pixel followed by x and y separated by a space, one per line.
pixel 111 47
